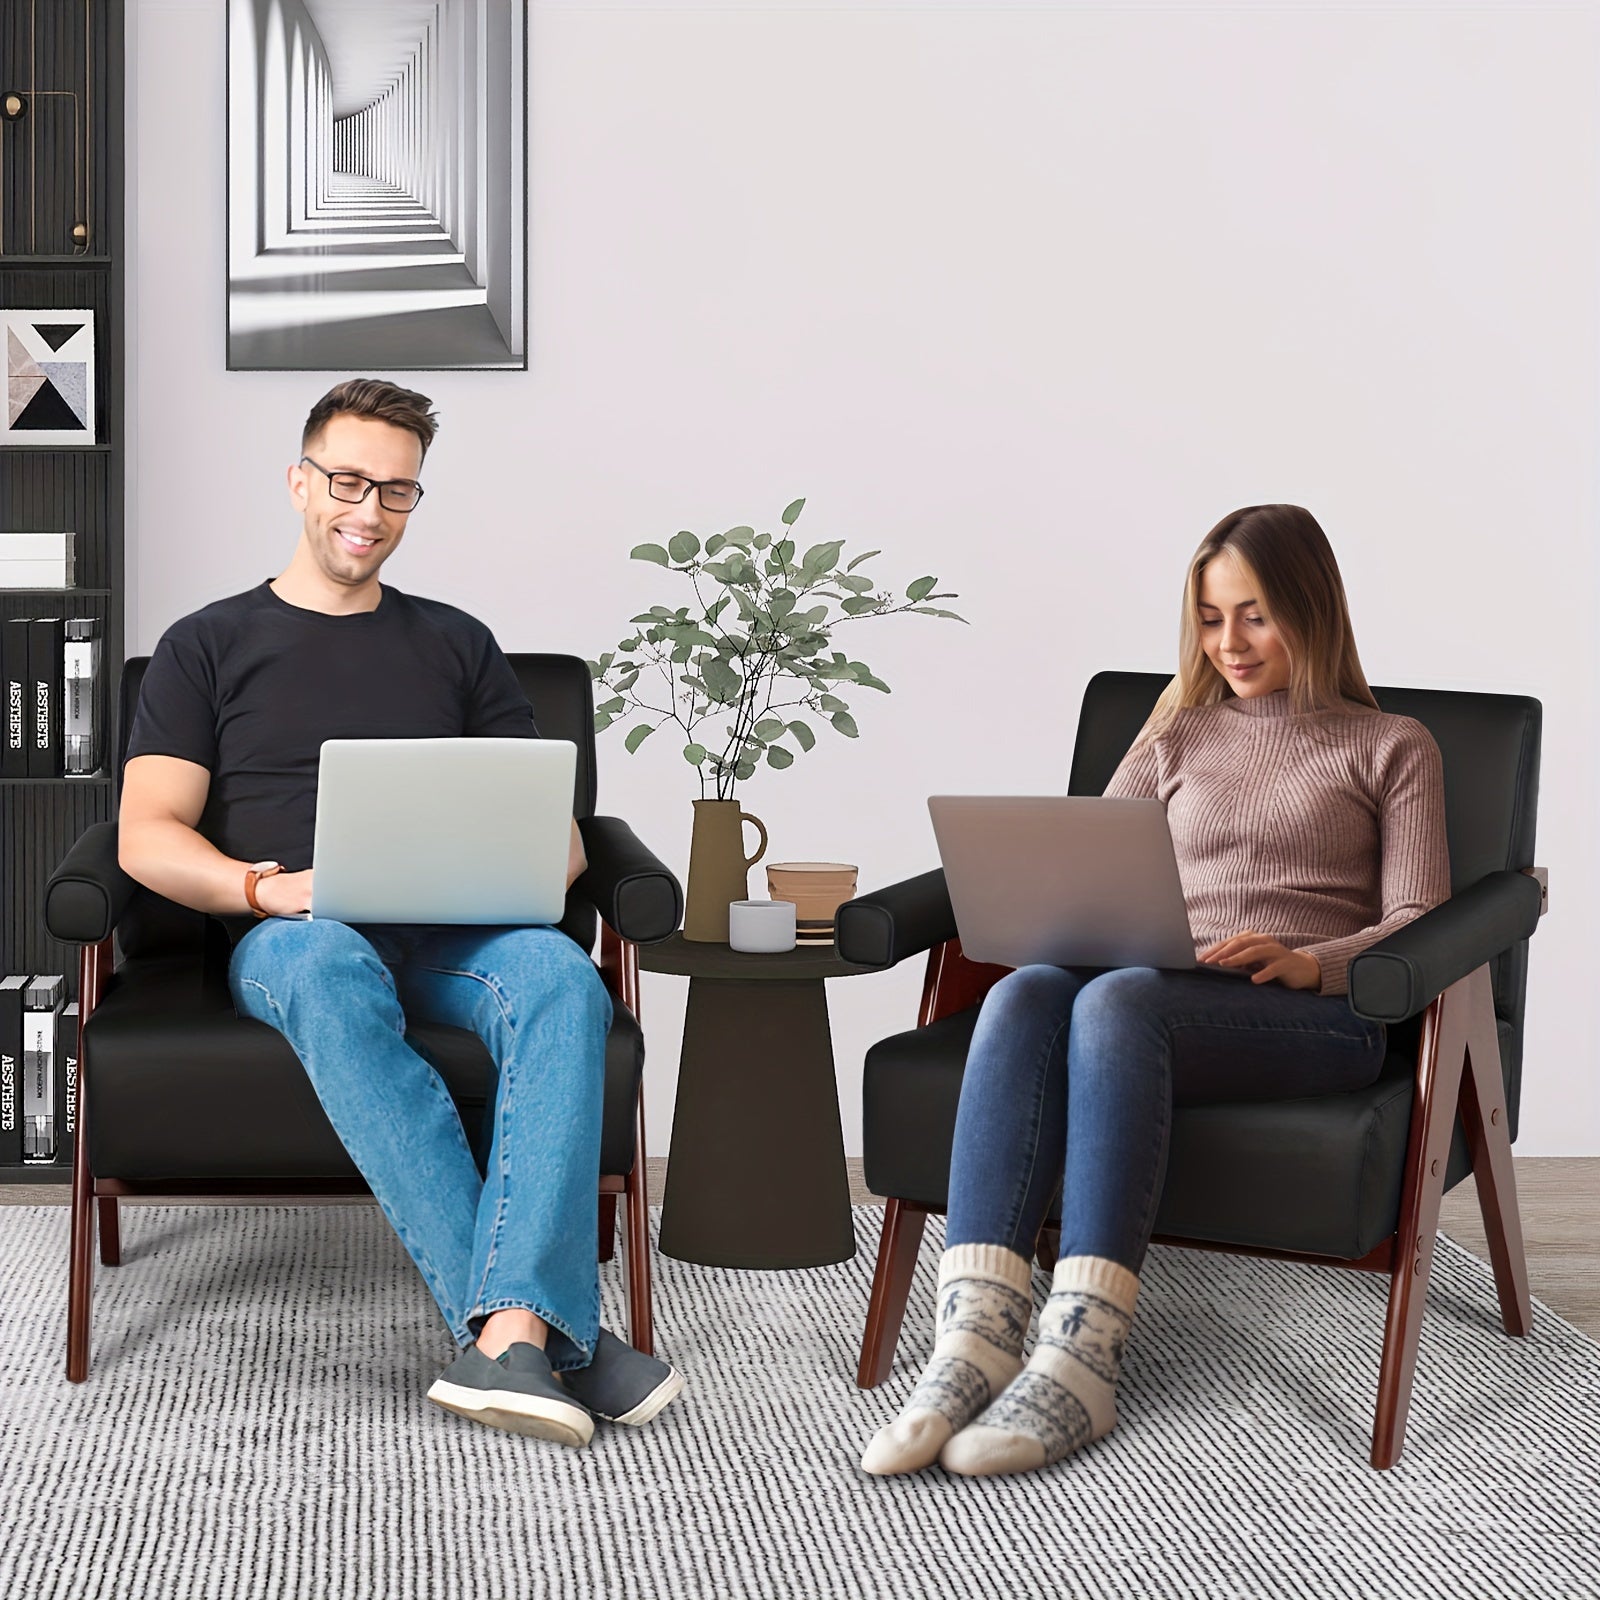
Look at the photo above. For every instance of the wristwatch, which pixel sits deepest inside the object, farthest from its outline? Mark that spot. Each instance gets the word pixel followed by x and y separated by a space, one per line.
pixel 262 869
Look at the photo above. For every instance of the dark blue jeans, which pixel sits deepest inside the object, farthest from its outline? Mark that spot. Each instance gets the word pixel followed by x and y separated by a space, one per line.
pixel 1089 1063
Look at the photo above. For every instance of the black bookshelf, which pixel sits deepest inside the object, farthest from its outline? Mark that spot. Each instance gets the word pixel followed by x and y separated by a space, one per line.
pixel 62 245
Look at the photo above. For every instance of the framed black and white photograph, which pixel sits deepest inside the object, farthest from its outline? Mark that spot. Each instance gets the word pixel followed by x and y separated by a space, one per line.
pixel 49 377
pixel 377 179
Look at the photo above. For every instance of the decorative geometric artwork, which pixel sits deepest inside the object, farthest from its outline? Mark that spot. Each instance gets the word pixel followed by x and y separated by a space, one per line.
pixel 49 359
pixel 377 185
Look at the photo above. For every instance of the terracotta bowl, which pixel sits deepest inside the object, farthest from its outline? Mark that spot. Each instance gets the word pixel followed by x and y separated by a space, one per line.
pixel 818 889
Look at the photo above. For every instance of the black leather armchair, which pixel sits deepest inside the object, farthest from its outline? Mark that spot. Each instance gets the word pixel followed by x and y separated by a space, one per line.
pixel 1350 1180
pixel 181 1097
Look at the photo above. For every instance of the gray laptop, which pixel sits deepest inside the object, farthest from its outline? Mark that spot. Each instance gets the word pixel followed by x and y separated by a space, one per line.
pixel 1064 880
pixel 443 830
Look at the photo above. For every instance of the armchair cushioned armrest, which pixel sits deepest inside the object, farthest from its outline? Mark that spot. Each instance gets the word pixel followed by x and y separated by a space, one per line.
pixel 884 927
pixel 1397 977
pixel 632 890
pixel 88 893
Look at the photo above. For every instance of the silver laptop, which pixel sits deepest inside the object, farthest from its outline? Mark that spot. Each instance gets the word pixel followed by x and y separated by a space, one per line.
pixel 443 830
pixel 1064 880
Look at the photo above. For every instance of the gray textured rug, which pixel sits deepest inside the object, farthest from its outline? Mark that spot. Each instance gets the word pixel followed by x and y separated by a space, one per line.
pixel 254 1425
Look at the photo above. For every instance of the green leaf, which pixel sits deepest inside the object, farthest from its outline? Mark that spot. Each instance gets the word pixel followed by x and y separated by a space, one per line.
pixel 820 557
pixel 780 758
pixel 602 721
pixel 831 702
pixel 637 736
pixel 856 585
pixel 744 769
pixel 714 544
pixel 649 552
pixel 685 547
pixel 694 754
pixel 724 684
pixel 784 550
pixel 612 706
pixel 858 605
pixel 791 512
pixel 782 603
pixel 743 537
pixel 859 559
pixel 763 540
pixel 921 588
pixel 808 619
pixel 842 720
pixel 716 608
pixel 803 736
pixel 769 727
pixel 595 669
pixel 934 611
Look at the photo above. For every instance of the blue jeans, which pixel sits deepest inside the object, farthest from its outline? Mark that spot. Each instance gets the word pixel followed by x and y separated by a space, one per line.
pixel 521 1235
pixel 1087 1064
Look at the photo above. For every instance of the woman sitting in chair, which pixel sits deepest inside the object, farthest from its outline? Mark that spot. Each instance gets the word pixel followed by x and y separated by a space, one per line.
pixel 1307 825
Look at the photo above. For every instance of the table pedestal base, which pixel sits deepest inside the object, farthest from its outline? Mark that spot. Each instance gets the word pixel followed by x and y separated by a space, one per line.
pixel 757 1175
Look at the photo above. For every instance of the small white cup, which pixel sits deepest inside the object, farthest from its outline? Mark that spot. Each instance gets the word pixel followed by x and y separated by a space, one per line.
pixel 761 927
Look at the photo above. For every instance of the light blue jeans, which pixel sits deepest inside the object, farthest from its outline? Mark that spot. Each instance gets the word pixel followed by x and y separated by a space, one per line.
pixel 1072 1075
pixel 522 1234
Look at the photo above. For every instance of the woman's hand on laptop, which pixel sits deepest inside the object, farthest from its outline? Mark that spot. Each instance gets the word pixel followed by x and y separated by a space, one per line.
pixel 285 894
pixel 1294 969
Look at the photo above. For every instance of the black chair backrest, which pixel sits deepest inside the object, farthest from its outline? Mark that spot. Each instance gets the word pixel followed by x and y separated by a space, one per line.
pixel 562 696
pixel 1490 747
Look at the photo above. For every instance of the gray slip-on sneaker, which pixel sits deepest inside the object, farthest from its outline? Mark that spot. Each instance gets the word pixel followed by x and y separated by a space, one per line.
pixel 622 1384
pixel 518 1393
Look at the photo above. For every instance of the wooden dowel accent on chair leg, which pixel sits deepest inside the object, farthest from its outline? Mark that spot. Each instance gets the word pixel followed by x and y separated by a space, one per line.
pixel 110 1230
pixel 636 1245
pixel 891 1286
pixel 1484 1121
pixel 1441 1054
pixel 608 1226
pixel 94 965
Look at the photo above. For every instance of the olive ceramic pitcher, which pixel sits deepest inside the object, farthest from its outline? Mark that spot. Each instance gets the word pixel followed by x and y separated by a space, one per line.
pixel 718 868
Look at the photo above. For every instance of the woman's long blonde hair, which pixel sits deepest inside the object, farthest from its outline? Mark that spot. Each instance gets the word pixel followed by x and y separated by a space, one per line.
pixel 1285 556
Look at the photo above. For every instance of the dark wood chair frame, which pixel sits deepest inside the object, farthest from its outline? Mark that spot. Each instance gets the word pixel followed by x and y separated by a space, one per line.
pixel 96 1200
pixel 1458 1072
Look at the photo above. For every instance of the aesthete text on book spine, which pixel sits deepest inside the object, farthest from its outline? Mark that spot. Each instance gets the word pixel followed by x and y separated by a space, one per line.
pixel 11 990
pixel 66 1082
pixel 41 1006
pixel 14 687
pixel 46 641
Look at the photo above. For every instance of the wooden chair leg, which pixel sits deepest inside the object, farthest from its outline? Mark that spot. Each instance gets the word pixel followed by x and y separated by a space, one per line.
pixel 80 1260
pixel 1440 1058
pixel 1483 1120
pixel 1047 1250
pixel 891 1286
pixel 110 1230
pixel 608 1226
pixel 636 1245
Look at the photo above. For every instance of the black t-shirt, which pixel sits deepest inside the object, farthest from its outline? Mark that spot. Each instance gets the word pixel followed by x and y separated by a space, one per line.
pixel 249 687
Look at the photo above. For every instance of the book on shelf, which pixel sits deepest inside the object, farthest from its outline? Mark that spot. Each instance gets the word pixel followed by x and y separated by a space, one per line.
pixel 47 642
pixel 11 990
pixel 41 1010
pixel 37 560
pixel 54 710
pixel 66 1082
pixel 81 712
pixel 14 685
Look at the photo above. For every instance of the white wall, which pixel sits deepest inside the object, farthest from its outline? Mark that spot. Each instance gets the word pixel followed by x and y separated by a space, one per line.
pixel 1026 297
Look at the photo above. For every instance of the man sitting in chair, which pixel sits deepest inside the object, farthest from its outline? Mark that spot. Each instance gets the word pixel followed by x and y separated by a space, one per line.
pixel 218 810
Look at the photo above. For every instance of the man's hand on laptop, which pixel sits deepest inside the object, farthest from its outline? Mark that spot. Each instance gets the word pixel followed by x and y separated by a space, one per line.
pixel 285 894
pixel 1267 958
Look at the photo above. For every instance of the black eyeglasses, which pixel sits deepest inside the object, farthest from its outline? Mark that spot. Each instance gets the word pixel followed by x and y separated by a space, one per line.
pixel 394 494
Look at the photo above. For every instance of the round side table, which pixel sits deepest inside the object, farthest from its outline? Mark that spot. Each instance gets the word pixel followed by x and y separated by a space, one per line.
pixel 756 1175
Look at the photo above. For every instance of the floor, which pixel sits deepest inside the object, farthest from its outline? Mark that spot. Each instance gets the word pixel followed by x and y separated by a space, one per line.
pixel 1559 1197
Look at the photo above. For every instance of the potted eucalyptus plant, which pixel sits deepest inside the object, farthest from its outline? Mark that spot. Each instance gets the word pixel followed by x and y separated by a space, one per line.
pixel 743 675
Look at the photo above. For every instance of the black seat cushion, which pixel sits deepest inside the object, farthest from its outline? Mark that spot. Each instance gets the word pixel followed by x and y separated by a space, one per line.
pixel 1320 1175
pixel 182 1088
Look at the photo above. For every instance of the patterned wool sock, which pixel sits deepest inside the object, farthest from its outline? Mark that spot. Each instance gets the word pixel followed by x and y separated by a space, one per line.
pixel 984 1309
pixel 1067 1394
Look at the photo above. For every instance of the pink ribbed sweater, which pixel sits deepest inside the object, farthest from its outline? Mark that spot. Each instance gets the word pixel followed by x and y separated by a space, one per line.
pixel 1325 831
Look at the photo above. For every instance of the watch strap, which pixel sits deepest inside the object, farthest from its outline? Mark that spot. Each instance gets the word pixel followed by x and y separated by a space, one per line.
pixel 252 877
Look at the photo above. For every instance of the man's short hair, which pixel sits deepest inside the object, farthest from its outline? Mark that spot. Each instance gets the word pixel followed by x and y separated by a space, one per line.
pixel 372 397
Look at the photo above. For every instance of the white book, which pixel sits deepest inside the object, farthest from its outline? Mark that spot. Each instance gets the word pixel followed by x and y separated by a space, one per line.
pixel 37 546
pixel 45 573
